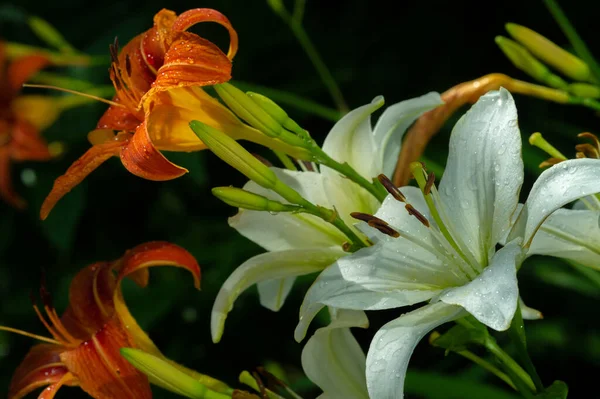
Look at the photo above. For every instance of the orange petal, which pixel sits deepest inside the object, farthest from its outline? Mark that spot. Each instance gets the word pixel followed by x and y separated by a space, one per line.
pixel 191 61
pixel 7 193
pixel 140 157
pixel 119 118
pixel 78 171
pixel 42 366
pixel 156 40
pixel 101 370
pixel 21 69
pixel 50 392
pixel 27 144
pixel 140 258
pixel 198 15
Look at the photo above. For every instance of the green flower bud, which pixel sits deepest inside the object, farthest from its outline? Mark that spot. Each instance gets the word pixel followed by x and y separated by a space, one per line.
pixel 235 155
pixel 276 112
pixel 549 52
pixel 584 90
pixel 247 200
pixel 522 59
pixel 166 375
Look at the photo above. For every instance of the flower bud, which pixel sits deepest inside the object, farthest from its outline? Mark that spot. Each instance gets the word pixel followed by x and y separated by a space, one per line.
pixel 166 375
pixel 549 52
pixel 234 154
pixel 584 90
pixel 273 109
pixel 247 200
pixel 522 59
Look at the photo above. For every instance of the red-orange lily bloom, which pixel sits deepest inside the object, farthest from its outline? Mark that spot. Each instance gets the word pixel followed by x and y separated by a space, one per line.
pixel 84 350
pixel 158 78
pixel 21 120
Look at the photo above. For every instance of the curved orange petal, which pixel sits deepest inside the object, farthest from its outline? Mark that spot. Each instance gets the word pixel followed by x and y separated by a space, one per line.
pixel 50 392
pixel 101 370
pixel 140 258
pixel 198 15
pixel 78 171
pixel 191 61
pixel 7 193
pixel 42 366
pixel 140 157
pixel 27 144
pixel 119 118
pixel 156 40
pixel 21 69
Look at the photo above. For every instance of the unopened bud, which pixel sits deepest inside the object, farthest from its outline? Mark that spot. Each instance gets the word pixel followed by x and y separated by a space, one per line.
pixel 549 52
pixel 243 199
pixel 278 113
pixel 234 154
pixel 525 61
pixel 584 90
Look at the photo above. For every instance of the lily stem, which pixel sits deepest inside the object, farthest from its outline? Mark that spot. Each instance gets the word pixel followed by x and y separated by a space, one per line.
pixel 512 367
pixel 487 366
pixel 312 53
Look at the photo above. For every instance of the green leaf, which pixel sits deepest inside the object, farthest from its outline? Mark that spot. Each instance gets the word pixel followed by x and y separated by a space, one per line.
pixel 436 386
pixel 558 390
pixel 458 337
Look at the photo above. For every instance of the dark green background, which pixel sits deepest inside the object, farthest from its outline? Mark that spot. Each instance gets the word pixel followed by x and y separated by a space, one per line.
pixel 372 48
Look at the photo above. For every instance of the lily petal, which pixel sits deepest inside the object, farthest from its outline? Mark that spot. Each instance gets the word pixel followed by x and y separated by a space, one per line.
pixel 394 343
pixel 484 173
pixel 493 295
pixel 42 366
pixel 78 171
pixel 392 125
pixel 264 267
pixel 39 111
pixel 140 157
pixel 333 359
pixel 286 230
pixel 7 192
pixel 21 69
pixel 27 143
pixel 272 293
pixel 570 234
pixel 351 140
pixel 557 186
pixel 100 368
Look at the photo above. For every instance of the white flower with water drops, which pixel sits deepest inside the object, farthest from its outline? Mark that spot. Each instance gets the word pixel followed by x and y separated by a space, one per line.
pixel 440 246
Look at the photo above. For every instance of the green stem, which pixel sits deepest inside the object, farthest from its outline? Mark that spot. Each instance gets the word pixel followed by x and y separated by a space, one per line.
pixel 578 44
pixel 315 58
pixel 512 367
pixel 293 100
pixel 487 366
pixel 285 160
pixel 322 158
pixel 517 333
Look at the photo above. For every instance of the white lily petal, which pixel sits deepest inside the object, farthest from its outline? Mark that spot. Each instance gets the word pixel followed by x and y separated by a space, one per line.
pixel 351 140
pixel 591 202
pixel 557 186
pixel 394 343
pixel 570 234
pixel 528 313
pixel 286 230
pixel 484 173
pixel 333 359
pixel 492 296
pixel 392 125
pixel 272 293
pixel 387 275
pixel 267 266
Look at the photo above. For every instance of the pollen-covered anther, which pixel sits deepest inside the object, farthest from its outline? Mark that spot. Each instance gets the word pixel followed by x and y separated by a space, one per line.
pixel 420 217
pixel 551 162
pixel 391 188
pixel 429 184
pixel 593 137
pixel 376 223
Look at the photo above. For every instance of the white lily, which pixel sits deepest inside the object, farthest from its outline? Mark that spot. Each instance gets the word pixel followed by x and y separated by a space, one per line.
pixel 333 359
pixel 300 244
pixel 450 259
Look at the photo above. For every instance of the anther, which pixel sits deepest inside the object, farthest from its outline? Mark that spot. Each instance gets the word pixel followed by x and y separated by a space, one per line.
pixel 429 184
pixel 592 137
pixel 376 223
pixel 550 162
pixel 127 65
pixel 588 150
pixel 413 212
pixel 391 188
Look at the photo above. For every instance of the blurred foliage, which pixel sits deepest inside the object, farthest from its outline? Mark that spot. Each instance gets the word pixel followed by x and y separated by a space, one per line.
pixel 399 50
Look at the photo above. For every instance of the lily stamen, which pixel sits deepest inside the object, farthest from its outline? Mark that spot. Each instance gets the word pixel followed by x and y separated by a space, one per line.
pixel 429 184
pixel 376 223
pixel 391 188
pixel 588 150
pixel 420 217
pixel 78 93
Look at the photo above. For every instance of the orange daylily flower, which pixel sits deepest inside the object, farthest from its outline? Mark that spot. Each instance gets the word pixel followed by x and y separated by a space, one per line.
pixel 158 77
pixel 22 117
pixel 84 350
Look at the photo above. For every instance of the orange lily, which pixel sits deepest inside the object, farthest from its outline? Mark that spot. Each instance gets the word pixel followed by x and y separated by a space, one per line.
pixel 21 120
pixel 158 78
pixel 84 350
